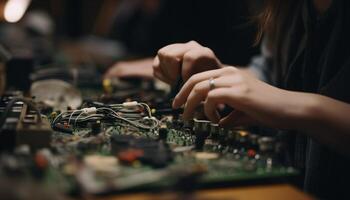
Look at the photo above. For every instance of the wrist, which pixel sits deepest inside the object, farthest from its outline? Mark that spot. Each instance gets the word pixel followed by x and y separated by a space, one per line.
pixel 303 110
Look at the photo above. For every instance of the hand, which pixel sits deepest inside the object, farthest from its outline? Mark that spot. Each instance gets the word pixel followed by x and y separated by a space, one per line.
pixel 183 59
pixel 253 101
pixel 138 68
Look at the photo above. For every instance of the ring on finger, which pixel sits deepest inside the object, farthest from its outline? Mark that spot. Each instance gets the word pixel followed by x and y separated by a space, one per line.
pixel 211 84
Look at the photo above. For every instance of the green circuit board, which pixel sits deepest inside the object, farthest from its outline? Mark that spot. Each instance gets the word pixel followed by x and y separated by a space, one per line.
pixel 213 165
pixel 102 156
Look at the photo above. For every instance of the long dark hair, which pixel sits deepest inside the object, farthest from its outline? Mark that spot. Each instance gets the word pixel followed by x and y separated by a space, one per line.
pixel 273 19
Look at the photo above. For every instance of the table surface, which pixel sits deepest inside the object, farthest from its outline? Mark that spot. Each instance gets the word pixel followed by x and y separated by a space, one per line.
pixel 270 192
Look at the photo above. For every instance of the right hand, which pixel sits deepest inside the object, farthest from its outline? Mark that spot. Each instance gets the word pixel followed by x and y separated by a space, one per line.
pixel 183 59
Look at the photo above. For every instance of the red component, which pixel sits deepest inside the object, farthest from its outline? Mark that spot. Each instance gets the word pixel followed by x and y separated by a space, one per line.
pixel 66 125
pixel 251 153
pixel 41 161
pixel 130 155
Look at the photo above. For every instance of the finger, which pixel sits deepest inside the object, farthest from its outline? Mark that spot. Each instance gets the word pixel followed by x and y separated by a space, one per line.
pixel 211 105
pixel 171 56
pixel 109 73
pixel 233 96
pixel 199 94
pixel 181 97
pixel 211 113
pixel 214 98
pixel 198 60
pixel 112 70
pixel 177 49
pixel 156 63
pixel 160 76
pixel 223 81
pixel 169 67
pixel 157 71
pixel 230 118
pixel 239 120
pixel 194 99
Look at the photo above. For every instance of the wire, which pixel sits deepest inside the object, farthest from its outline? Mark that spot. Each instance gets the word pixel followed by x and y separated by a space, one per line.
pixel 120 113
pixel 70 117
pixel 76 119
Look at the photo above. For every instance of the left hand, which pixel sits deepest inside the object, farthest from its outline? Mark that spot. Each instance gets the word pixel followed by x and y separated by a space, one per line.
pixel 253 101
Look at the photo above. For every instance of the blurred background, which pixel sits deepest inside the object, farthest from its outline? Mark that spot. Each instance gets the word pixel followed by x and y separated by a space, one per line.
pixel 105 31
pixel 80 41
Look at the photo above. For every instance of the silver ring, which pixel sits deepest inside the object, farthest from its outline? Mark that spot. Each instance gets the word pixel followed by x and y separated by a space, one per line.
pixel 211 84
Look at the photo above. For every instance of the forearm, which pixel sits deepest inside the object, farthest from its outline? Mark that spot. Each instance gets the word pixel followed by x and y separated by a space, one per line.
pixel 323 118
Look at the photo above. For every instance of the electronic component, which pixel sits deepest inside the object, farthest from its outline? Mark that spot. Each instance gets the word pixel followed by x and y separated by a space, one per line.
pixel 22 124
pixel 202 130
pixel 149 151
pixel 32 130
pixel 9 119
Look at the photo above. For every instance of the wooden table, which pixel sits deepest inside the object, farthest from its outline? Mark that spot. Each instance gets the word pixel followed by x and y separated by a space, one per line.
pixel 270 192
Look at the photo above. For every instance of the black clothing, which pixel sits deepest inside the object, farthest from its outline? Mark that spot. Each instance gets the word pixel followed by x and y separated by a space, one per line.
pixel 222 26
pixel 314 56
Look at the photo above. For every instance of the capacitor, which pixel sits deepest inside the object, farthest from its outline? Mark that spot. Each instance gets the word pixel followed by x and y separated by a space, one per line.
pixel 266 144
pixel 253 141
pixel 62 128
pixel 53 115
pixel 107 86
pixel 214 131
pixel 130 155
pixel 201 129
pixel 242 137
pixel 201 125
pixel 251 153
pixel 188 124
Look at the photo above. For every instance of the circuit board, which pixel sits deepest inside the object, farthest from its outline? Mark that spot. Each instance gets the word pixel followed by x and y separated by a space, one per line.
pixel 104 148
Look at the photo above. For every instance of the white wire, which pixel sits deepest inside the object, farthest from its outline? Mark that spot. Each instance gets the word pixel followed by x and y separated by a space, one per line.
pixel 70 117
pixel 53 122
pixel 76 119
pixel 114 114
pixel 147 108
